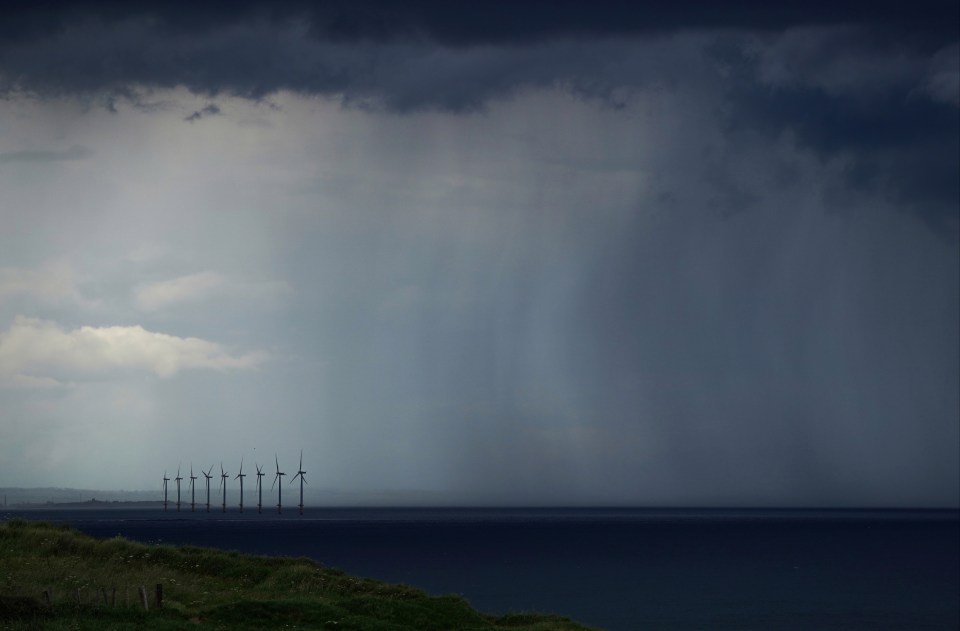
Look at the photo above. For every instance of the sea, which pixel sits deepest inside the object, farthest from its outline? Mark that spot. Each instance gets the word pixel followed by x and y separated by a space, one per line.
pixel 621 569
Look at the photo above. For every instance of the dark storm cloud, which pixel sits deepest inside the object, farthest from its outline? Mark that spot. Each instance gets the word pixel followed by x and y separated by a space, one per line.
pixel 471 23
pixel 896 134
pixel 365 50
pixel 211 110
pixel 253 60
pixel 872 85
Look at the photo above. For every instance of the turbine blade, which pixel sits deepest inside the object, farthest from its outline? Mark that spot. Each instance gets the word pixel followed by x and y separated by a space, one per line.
pixel 301 459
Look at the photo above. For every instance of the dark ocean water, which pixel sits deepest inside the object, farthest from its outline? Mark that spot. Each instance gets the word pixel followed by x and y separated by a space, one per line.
pixel 618 569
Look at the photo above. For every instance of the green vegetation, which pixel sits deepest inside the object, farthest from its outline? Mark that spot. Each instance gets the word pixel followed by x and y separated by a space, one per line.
pixel 204 588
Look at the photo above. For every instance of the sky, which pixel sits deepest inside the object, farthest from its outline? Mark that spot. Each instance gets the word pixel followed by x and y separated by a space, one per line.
pixel 527 253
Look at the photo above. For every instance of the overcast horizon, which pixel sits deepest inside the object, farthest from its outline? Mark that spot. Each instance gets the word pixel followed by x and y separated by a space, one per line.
pixel 525 255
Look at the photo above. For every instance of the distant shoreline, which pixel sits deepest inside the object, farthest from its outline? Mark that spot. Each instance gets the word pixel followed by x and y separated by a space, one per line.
pixel 92 503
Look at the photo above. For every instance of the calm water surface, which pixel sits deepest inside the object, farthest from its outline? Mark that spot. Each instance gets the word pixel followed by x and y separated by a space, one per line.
pixel 618 569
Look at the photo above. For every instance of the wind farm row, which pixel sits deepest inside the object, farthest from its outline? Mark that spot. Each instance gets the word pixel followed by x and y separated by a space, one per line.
pixel 224 477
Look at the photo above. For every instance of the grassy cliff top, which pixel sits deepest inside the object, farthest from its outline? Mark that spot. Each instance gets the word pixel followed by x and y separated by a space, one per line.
pixel 205 588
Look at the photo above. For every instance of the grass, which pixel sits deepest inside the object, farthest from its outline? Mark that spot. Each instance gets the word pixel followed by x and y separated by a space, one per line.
pixel 214 589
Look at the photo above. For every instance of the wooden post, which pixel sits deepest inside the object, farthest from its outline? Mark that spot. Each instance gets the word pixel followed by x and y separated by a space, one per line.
pixel 126 597
pixel 113 597
pixel 77 595
pixel 47 600
pixel 159 595
pixel 103 593
pixel 143 598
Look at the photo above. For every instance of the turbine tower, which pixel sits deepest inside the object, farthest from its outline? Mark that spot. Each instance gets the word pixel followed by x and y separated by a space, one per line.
pixel 165 480
pixel 193 484
pixel 178 478
pixel 303 480
pixel 241 476
pixel 260 474
pixel 279 476
pixel 207 475
pixel 224 476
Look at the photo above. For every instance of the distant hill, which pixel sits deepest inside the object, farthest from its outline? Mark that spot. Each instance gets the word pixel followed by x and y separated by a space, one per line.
pixel 17 496
pixel 14 496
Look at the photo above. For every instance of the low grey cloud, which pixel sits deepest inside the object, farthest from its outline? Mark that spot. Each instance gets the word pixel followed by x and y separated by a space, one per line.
pixel 210 110
pixel 51 282
pixel 185 288
pixel 74 152
pixel 209 285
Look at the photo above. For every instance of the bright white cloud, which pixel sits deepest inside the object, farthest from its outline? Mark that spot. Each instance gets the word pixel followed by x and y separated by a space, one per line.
pixel 183 289
pixel 41 349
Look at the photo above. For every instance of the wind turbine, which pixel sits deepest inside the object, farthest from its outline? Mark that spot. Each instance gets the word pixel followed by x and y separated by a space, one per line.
pixel 178 478
pixel 207 475
pixel 279 476
pixel 260 474
pixel 193 484
pixel 241 476
pixel 223 482
pixel 303 480
pixel 165 480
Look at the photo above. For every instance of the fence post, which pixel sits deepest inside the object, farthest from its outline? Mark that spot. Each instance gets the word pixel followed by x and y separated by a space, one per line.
pixel 159 595
pixel 113 596
pixel 143 598
pixel 77 595
pixel 47 599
